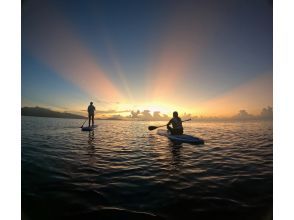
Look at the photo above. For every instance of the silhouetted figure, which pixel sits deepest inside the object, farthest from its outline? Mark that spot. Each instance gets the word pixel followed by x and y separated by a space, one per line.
pixel 176 122
pixel 91 110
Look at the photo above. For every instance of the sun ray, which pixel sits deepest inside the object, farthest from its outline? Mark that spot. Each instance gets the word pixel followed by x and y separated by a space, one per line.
pixel 52 40
pixel 254 94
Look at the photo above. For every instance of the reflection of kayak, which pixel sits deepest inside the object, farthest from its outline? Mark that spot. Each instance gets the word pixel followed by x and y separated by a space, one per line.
pixel 183 138
pixel 91 128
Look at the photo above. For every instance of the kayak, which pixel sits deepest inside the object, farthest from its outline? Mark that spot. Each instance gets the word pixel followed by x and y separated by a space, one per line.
pixel 91 128
pixel 183 138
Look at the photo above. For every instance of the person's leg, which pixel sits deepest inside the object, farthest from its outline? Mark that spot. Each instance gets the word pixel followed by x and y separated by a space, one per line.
pixel 89 117
pixel 180 131
pixel 177 131
pixel 92 120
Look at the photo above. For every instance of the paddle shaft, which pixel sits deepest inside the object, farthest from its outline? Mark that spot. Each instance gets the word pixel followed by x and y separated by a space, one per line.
pixel 187 120
pixel 84 123
pixel 155 127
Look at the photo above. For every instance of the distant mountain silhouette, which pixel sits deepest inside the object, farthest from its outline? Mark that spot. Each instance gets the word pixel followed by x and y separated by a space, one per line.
pixel 44 112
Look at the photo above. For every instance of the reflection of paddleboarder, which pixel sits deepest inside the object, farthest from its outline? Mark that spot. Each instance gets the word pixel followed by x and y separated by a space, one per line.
pixel 91 110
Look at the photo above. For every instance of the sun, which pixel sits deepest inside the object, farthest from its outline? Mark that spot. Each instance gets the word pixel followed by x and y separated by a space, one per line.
pixel 163 108
pixel 155 108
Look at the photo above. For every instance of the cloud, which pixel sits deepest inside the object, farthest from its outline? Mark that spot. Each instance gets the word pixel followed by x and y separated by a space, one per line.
pixel 135 114
pixel 243 114
pixel 110 111
pixel 185 116
pixel 157 116
pixel 266 112
pixel 146 115
pixel 116 117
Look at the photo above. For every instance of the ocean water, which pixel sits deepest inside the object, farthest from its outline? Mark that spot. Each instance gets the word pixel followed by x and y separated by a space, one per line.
pixel 123 171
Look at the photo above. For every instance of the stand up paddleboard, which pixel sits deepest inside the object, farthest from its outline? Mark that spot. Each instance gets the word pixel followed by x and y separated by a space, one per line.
pixel 183 138
pixel 91 128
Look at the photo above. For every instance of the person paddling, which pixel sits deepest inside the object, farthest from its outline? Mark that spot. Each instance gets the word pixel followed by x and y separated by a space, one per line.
pixel 91 110
pixel 176 122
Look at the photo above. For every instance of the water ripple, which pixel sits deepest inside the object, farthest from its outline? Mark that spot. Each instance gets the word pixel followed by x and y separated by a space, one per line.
pixel 121 170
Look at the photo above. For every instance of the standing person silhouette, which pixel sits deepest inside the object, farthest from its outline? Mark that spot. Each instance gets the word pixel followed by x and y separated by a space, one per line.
pixel 91 110
pixel 176 122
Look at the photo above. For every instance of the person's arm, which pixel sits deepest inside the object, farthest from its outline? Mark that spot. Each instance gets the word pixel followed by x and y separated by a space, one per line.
pixel 170 121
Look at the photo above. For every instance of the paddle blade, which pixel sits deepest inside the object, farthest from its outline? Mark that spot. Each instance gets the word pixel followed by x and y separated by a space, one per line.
pixel 150 128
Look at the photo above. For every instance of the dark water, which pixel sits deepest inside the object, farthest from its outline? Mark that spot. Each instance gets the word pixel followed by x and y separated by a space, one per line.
pixel 123 171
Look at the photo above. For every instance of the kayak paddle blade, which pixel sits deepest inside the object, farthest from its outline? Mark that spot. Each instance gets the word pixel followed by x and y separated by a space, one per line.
pixel 150 128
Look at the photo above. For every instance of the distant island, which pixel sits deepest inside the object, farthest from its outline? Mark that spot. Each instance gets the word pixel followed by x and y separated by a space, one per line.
pixel 44 112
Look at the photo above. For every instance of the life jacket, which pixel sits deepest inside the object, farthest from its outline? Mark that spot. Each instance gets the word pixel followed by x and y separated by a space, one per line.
pixel 91 109
pixel 177 123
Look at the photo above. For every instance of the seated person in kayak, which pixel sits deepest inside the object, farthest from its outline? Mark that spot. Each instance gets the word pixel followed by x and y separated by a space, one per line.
pixel 91 110
pixel 176 122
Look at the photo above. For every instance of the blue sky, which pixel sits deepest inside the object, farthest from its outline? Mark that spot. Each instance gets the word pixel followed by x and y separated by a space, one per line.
pixel 160 55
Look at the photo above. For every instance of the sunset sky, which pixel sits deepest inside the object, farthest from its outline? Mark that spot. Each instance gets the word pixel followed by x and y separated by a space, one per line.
pixel 206 57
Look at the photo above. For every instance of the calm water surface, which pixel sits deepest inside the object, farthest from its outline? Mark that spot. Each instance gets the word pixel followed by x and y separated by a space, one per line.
pixel 123 171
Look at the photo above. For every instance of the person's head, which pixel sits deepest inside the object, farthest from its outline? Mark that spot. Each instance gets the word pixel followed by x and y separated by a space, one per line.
pixel 91 103
pixel 175 114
